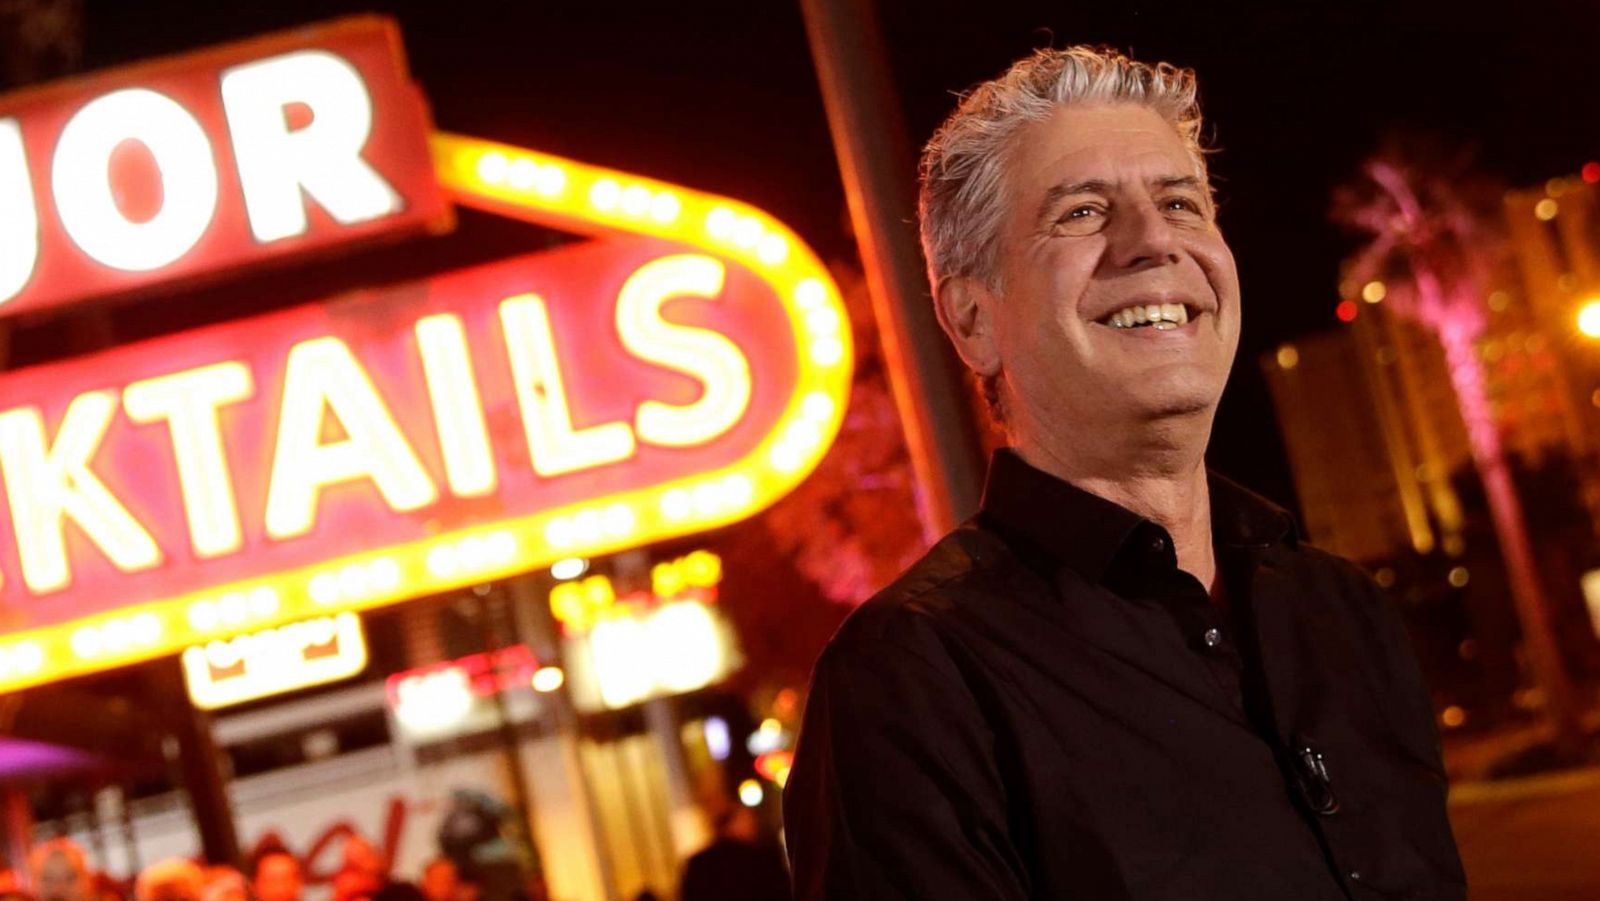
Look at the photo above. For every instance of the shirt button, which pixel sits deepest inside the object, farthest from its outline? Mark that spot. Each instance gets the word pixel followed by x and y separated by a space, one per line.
pixel 1355 875
pixel 1212 638
pixel 1159 545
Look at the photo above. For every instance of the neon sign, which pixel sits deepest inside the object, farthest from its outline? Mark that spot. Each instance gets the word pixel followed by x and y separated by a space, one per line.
pixel 273 661
pixel 233 156
pixel 680 373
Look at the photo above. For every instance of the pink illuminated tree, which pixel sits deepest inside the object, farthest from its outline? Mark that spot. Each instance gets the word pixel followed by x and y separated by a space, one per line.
pixel 1431 241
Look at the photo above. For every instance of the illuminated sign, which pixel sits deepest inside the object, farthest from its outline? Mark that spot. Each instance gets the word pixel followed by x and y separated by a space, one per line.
pixel 445 699
pixel 232 156
pixel 680 373
pixel 273 661
pixel 580 603
pixel 638 653
pixel 419 438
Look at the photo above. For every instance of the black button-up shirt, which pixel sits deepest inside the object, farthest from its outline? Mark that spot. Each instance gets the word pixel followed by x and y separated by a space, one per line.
pixel 1046 707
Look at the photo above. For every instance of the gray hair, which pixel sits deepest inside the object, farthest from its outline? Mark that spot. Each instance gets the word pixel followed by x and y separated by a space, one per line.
pixel 962 173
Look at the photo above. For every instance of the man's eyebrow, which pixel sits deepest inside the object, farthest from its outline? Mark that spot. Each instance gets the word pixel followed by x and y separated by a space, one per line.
pixel 1180 181
pixel 1063 189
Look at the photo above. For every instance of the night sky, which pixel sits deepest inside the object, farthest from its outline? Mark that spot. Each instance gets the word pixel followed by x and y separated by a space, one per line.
pixel 722 96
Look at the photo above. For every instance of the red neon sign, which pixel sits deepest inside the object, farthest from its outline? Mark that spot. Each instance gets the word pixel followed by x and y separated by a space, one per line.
pixel 233 156
pixel 396 442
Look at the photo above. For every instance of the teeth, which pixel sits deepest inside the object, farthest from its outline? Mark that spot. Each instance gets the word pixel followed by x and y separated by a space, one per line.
pixel 1162 316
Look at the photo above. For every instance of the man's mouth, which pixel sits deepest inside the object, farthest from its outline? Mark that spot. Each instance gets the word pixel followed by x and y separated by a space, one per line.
pixel 1162 317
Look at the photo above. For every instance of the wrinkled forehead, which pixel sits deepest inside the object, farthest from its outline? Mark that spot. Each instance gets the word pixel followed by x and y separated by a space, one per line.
pixel 1120 146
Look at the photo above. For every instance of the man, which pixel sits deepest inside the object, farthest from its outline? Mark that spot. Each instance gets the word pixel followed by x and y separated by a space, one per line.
pixel 275 874
pixel 173 879
pixel 737 864
pixel 60 871
pixel 1126 678
pixel 365 874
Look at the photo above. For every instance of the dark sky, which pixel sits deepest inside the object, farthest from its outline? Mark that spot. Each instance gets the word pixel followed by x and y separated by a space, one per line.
pixel 722 96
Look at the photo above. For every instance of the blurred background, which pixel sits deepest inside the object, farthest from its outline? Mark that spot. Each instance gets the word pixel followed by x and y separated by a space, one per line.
pixel 1412 191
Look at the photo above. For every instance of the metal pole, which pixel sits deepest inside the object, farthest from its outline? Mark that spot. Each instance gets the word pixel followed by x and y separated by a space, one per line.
pixel 489 624
pixel 199 763
pixel 878 167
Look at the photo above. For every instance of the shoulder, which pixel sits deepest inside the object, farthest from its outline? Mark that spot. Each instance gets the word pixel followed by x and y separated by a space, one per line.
pixel 1333 579
pixel 921 612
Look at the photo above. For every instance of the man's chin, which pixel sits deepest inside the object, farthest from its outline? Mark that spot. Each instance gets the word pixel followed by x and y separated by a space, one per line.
pixel 1178 406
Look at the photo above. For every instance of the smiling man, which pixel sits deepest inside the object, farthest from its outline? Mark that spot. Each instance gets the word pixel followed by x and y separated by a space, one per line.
pixel 1126 678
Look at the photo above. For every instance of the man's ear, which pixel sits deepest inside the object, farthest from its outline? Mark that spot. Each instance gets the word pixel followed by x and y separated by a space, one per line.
pixel 966 312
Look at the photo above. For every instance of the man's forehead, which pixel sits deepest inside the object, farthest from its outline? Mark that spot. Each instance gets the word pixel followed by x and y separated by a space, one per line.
pixel 1119 145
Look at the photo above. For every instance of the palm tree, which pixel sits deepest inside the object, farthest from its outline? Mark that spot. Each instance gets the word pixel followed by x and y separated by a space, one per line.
pixel 1430 242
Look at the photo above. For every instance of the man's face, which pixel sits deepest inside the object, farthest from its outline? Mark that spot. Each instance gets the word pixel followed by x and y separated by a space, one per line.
pixel 59 879
pixel 278 878
pixel 1106 212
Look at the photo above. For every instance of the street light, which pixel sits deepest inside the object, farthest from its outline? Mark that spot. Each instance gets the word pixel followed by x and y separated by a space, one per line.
pixel 1589 318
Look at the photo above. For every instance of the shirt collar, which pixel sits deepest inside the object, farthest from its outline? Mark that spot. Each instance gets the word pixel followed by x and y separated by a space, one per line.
pixel 1054 523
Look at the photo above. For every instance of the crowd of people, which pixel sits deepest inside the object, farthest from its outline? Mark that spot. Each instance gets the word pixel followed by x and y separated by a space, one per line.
pixel 59 870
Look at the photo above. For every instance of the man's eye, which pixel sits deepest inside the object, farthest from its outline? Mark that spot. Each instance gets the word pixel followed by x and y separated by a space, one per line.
pixel 1080 212
pixel 1183 204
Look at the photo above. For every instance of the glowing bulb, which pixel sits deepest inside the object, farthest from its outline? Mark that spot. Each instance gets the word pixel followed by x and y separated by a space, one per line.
pixel 636 200
pixel 1288 357
pixel 1374 292
pixel 523 174
pixel 827 351
pixel 720 222
pixel 550 180
pixel 823 321
pixel 665 207
pixel 747 231
pixel 1589 318
pixel 569 568
pixel 493 166
pixel 678 503
pixel 810 293
pixel 1546 209
pixel 773 249
pixel 751 793
pixel 605 195
pixel 548 678
pixel 27 657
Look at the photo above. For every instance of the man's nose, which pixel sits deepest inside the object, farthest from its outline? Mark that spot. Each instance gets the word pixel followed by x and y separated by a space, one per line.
pixel 1142 237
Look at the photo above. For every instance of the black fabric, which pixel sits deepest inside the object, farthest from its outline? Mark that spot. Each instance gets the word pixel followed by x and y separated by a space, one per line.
pixel 1034 711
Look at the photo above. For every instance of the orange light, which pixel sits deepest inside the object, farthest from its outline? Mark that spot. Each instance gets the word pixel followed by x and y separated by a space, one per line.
pixel 772 763
pixel 1589 318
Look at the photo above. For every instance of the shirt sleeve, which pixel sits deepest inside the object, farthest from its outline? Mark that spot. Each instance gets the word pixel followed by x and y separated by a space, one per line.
pixel 895 791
